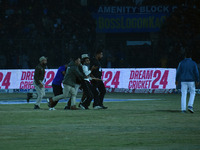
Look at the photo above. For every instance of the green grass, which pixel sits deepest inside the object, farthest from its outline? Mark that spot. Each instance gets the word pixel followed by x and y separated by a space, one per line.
pixel 155 125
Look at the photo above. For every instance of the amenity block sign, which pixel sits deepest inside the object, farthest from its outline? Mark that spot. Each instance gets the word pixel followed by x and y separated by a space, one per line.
pixel 149 78
pixel 139 18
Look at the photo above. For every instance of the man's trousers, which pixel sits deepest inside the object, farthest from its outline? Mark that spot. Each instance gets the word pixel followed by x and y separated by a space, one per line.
pixel 184 88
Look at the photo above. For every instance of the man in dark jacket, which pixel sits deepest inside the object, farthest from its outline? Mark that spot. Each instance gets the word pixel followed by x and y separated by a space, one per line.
pixel 39 80
pixel 98 84
pixel 187 73
pixel 69 83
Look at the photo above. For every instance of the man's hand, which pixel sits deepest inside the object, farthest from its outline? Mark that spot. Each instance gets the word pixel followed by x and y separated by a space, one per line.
pixel 41 85
pixel 93 68
pixel 97 79
pixel 176 83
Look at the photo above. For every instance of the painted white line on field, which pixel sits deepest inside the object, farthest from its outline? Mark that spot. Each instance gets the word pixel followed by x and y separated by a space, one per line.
pixel 78 100
pixel 122 100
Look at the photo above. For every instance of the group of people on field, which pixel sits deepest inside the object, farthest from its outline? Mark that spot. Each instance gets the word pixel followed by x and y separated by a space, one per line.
pixel 80 72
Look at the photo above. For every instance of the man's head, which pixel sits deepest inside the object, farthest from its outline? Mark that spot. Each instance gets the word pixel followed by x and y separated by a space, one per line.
pixel 85 59
pixel 99 54
pixel 43 60
pixel 188 53
pixel 77 61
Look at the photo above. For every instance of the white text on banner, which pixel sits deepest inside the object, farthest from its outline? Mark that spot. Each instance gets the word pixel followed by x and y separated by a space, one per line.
pixel 130 78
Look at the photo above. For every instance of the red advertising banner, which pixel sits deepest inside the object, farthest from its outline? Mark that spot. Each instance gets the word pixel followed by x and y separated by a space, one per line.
pixel 148 78
pixel 145 78
pixel 23 79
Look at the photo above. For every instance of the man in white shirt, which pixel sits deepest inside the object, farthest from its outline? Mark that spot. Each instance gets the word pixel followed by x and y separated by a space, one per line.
pixel 86 86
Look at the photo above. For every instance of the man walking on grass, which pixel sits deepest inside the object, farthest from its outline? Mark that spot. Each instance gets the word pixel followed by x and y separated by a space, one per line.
pixel 187 74
pixel 39 80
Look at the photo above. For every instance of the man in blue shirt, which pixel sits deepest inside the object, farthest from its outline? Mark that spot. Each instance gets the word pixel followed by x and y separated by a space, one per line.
pixel 57 82
pixel 187 73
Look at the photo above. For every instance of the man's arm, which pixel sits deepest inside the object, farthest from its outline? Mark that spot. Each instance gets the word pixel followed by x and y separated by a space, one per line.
pixel 63 73
pixel 36 75
pixel 178 74
pixel 78 74
pixel 196 74
pixel 86 70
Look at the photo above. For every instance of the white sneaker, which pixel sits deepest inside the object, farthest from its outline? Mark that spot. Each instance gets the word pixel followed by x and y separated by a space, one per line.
pixel 190 109
pixel 52 108
pixel 82 107
pixel 98 107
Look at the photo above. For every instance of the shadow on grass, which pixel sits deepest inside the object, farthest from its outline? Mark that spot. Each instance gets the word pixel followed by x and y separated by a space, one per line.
pixel 172 111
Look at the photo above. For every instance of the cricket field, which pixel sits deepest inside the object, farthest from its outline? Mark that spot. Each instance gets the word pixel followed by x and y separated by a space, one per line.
pixel 131 122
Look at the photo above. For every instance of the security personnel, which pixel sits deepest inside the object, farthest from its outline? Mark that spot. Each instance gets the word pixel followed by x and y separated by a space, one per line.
pixel 69 83
pixel 39 80
pixel 98 84
pixel 86 85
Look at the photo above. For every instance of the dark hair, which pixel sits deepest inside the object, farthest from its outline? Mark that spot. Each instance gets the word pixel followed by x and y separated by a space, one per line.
pixel 98 52
pixel 74 57
pixel 83 60
pixel 188 53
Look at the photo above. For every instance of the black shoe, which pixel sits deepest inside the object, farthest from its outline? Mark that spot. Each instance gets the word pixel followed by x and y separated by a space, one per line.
pixel 29 96
pixel 104 107
pixel 51 103
pixel 36 107
pixel 67 107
